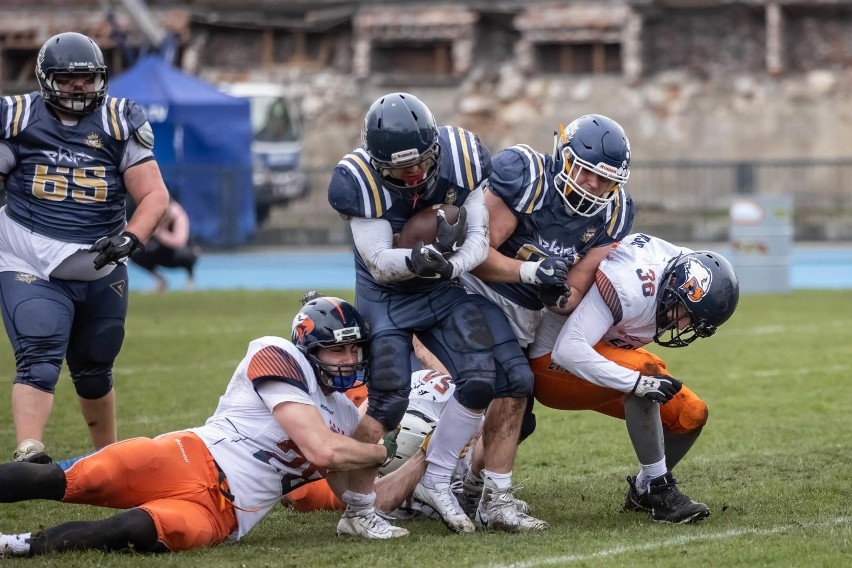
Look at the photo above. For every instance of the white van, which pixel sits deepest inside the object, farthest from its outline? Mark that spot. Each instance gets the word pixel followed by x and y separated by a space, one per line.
pixel 277 145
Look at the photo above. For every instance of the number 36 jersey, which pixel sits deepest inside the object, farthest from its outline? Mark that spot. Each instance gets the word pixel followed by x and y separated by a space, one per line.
pixel 66 181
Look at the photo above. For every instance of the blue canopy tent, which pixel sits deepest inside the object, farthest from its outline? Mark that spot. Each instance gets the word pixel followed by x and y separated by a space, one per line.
pixel 203 145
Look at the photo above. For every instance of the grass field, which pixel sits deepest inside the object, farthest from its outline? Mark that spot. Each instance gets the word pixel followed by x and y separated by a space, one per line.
pixel 774 462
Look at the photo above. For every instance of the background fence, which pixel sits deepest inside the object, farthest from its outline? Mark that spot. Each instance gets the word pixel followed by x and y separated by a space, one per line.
pixel 679 201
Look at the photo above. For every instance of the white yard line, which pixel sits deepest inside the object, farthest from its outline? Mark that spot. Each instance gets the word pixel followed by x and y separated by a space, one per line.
pixel 669 542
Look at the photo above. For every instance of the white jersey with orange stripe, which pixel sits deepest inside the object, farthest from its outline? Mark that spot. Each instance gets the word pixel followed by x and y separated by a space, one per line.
pixel 256 455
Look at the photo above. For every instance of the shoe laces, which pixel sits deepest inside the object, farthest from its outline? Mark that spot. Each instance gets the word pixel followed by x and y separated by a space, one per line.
pixel 670 494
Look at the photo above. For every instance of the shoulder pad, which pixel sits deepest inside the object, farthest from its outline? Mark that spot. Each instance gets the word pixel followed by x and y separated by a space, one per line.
pixel 356 189
pixel 121 117
pixel 15 113
pixel 469 159
pixel 619 216
pixel 519 178
pixel 145 135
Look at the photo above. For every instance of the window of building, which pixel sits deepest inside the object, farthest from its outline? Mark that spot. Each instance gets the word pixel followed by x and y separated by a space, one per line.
pixel 595 58
pixel 427 58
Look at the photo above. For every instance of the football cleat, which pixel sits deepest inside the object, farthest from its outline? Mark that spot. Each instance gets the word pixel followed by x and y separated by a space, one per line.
pixel 635 501
pixel 31 451
pixel 368 523
pixel 669 505
pixel 498 510
pixel 443 501
pixel 468 492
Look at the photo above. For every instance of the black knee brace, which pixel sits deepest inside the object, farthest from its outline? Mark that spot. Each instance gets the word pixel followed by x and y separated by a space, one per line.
pixel 475 393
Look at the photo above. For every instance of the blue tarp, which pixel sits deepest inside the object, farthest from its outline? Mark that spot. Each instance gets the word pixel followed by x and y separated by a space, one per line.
pixel 203 146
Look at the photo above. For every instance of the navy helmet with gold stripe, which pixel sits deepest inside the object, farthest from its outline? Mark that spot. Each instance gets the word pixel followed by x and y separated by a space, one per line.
pixel 65 55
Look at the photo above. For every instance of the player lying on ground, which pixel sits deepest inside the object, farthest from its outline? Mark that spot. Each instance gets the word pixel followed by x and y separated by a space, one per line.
pixel 282 422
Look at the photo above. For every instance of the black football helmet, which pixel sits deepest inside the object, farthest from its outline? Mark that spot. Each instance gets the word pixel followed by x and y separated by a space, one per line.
pixel 400 132
pixel 705 284
pixel 71 53
pixel 325 322
pixel 597 144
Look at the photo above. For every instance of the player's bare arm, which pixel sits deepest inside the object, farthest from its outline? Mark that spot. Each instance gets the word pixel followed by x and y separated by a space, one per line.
pixel 581 277
pixel 321 446
pixel 145 185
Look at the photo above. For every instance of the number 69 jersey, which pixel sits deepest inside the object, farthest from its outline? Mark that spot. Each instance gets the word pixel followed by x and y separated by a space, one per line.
pixel 67 181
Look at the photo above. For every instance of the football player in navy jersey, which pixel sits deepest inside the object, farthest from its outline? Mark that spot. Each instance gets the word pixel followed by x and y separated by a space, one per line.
pixel 552 220
pixel 406 164
pixel 70 155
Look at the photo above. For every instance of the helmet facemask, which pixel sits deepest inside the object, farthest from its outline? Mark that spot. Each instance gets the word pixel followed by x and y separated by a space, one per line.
pixel 340 377
pixel 417 186
pixel 77 102
pixel 577 199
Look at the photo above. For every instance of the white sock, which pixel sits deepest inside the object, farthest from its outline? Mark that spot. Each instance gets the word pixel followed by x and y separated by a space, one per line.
pixel 456 427
pixel 649 472
pixel 501 480
pixel 17 544
pixel 358 501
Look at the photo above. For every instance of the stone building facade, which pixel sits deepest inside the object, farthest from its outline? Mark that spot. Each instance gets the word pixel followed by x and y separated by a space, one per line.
pixel 718 84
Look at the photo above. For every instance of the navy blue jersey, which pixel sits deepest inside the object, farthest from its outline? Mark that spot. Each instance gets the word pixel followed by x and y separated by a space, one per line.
pixel 523 179
pixel 66 184
pixel 356 190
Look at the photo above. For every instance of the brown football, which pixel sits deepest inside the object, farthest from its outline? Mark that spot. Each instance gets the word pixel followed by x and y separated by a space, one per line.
pixel 424 225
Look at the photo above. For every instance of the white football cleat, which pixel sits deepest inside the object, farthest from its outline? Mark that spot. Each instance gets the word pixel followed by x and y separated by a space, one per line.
pixel 500 511
pixel 442 499
pixel 368 524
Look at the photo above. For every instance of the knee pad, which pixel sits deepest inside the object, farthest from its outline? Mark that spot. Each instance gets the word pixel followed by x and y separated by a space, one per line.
pixel 43 375
pixel 528 423
pixel 390 363
pixel 387 407
pixel 475 393
pixel 92 386
pixel 514 376
pixel 693 415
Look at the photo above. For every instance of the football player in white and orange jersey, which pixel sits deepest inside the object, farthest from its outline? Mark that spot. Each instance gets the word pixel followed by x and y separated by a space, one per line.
pixel 282 422
pixel 646 290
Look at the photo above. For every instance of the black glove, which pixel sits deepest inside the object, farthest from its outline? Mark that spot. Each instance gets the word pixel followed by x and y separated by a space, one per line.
pixel 552 271
pixel 659 388
pixel 554 296
pixel 114 249
pixel 450 238
pixel 390 444
pixel 428 263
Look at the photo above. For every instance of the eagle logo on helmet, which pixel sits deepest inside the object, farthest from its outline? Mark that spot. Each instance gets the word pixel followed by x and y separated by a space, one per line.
pixel 697 280
pixel 303 326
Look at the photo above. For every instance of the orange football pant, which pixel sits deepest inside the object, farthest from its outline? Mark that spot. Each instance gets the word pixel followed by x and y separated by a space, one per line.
pixel 557 388
pixel 172 477
pixel 314 496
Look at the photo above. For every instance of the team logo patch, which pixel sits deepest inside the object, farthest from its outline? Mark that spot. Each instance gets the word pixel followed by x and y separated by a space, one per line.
pixel 451 197
pixel 302 327
pixel 25 278
pixel 119 287
pixel 589 234
pixel 698 280
pixel 93 140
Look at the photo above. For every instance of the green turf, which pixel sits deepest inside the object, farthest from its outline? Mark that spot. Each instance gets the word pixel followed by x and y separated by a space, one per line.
pixel 773 463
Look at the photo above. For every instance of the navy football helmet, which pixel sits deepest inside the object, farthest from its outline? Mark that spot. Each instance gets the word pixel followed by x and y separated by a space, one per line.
pixel 706 286
pixel 400 132
pixel 327 321
pixel 596 144
pixel 71 53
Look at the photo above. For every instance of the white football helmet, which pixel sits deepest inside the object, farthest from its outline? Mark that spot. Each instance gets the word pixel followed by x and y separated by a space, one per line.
pixel 413 431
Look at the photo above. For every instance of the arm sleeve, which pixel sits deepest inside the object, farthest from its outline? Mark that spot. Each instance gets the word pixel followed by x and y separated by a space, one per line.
pixel 475 248
pixel 374 242
pixel 574 349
